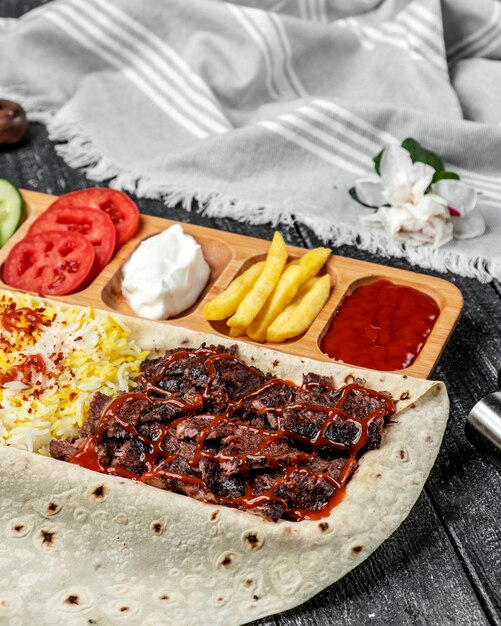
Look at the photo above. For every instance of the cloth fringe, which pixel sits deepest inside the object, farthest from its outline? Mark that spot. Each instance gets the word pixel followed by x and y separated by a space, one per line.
pixel 377 242
pixel 80 151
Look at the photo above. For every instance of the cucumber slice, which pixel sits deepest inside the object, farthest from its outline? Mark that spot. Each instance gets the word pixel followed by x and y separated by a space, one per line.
pixel 11 210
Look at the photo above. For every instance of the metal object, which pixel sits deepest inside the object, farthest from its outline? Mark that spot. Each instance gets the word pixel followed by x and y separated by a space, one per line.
pixel 483 426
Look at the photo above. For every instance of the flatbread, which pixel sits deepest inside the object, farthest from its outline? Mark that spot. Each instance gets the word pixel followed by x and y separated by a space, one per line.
pixel 78 547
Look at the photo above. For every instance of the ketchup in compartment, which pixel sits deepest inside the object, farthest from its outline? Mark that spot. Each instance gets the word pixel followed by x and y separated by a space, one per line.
pixel 381 326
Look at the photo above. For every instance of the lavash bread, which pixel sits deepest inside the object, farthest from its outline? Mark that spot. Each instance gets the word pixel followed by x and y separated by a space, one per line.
pixel 78 547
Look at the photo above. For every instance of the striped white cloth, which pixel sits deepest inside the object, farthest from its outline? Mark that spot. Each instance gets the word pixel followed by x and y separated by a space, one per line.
pixel 269 109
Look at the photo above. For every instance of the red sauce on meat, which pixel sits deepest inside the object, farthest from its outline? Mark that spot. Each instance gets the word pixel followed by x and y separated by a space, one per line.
pixel 381 326
pixel 87 456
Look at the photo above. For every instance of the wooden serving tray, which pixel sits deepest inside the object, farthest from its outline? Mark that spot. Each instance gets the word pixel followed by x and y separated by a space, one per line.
pixel 228 255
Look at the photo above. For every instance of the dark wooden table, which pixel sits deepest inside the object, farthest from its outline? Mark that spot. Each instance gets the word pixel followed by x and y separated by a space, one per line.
pixel 443 565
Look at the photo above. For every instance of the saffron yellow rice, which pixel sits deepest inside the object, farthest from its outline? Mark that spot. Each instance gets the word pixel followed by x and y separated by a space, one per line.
pixel 83 350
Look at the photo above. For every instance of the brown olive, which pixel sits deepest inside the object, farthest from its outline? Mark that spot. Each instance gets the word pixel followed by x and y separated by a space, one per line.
pixel 13 122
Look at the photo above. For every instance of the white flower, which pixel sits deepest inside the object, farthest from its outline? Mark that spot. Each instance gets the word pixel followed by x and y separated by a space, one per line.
pixel 413 215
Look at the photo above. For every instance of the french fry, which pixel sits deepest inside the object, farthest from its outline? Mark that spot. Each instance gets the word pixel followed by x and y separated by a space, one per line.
pixel 311 262
pixel 227 302
pixel 294 275
pixel 236 331
pixel 314 259
pixel 290 310
pixel 282 295
pixel 254 300
pixel 299 315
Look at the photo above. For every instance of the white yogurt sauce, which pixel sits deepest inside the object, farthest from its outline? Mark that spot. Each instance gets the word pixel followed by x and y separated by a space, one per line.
pixel 165 275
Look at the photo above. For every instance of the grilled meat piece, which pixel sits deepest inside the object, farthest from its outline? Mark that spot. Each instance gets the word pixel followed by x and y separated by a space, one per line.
pixel 204 424
pixel 62 449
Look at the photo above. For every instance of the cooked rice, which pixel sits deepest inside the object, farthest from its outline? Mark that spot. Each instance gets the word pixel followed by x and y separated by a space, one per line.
pixel 84 351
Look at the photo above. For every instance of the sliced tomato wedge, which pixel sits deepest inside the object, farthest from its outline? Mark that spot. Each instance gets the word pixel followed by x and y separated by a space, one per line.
pixel 122 211
pixel 52 263
pixel 93 224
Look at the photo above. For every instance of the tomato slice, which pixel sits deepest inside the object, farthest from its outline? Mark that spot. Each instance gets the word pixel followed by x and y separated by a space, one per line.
pixel 93 224
pixel 52 263
pixel 123 212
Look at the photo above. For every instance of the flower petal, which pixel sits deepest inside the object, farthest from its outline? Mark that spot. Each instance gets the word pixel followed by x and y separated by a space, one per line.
pixel 429 206
pixel 370 191
pixel 395 163
pixel 398 192
pixel 437 232
pixel 420 178
pixel 395 219
pixel 458 195
pixel 372 219
pixel 469 226
pixel 442 231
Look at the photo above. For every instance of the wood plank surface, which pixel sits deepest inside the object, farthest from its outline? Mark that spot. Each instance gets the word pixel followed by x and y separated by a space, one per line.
pixel 443 565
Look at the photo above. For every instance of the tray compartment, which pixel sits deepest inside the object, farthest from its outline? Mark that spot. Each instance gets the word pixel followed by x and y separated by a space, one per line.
pixel 436 296
pixel 217 254
pixel 246 250
pixel 221 327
